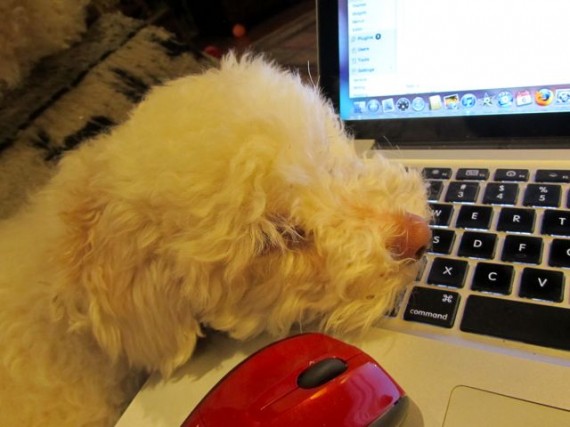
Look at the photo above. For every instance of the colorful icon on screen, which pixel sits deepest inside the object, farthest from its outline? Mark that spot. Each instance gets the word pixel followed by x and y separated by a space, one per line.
pixel 451 102
pixel 468 100
pixel 373 106
pixel 563 96
pixel 523 97
pixel 505 99
pixel 544 97
pixel 403 104
pixel 435 102
pixel 388 105
pixel 359 107
pixel 418 103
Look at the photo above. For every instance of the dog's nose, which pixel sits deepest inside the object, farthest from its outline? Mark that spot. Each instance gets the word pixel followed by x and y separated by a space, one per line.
pixel 414 240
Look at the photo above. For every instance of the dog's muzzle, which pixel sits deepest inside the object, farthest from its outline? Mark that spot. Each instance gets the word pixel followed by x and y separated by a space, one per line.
pixel 414 240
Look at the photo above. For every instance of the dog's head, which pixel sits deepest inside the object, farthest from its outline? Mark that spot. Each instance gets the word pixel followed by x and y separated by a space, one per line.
pixel 233 200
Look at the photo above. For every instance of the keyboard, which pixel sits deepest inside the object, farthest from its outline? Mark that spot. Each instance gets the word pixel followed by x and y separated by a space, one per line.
pixel 500 257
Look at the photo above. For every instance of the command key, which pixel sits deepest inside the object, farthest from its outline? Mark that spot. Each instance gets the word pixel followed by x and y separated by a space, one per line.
pixel 434 306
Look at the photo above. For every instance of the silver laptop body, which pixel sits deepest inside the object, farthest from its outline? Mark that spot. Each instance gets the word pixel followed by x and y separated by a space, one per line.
pixel 454 89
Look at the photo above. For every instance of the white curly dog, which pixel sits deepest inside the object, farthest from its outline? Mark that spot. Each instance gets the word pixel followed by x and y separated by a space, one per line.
pixel 232 200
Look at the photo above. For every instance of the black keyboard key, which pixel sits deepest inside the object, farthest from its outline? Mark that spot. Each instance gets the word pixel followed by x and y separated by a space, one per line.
pixel 490 277
pixel 518 220
pixel 441 241
pixel 543 195
pixel 434 189
pixel 519 321
pixel 560 253
pixel 447 272
pixel 441 214
pixel 513 175
pixel 472 174
pixel 556 222
pixel 478 217
pixel 501 194
pixel 477 245
pixel 437 173
pixel 542 284
pixel 525 249
pixel 462 192
pixel 432 306
pixel 552 175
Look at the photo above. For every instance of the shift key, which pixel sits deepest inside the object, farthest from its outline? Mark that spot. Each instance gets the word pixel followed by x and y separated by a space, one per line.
pixel 434 306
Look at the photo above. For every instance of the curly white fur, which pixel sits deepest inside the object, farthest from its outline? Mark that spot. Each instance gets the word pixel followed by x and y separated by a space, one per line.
pixel 232 200
pixel 33 29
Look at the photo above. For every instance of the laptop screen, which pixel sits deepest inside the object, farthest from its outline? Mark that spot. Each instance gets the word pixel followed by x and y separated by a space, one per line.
pixel 442 70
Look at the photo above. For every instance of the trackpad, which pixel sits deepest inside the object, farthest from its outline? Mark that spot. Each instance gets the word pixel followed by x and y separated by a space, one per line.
pixel 472 407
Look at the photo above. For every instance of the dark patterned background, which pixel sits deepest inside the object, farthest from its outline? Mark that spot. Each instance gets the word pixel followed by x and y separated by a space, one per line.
pixel 92 87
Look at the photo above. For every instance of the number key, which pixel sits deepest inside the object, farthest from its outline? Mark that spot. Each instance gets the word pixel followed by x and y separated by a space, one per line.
pixel 462 192
pixel 542 195
pixel 501 194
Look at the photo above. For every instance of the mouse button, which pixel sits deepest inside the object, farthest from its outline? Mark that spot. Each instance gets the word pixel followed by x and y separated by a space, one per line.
pixel 241 388
pixel 314 346
pixel 358 396
pixel 265 376
pixel 279 364
pixel 275 388
pixel 370 389
pixel 348 397
pixel 331 347
pixel 394 416
pixel 370 372
pixel 291 354
pixel 321 372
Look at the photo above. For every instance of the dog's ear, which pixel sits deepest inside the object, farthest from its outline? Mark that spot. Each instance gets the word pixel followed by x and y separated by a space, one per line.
pixel 114 285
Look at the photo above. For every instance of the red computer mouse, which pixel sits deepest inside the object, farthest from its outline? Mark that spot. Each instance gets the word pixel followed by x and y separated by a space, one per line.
pixel 306 380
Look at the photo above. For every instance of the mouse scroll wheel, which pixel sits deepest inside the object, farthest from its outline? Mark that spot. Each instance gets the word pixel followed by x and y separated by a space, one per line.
pixel 321 372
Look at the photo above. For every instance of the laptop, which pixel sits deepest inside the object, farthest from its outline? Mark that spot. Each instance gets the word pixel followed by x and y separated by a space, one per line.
pixel 476 95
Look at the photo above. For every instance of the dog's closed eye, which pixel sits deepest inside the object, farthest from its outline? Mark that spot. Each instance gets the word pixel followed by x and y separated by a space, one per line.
pixel 282 235
pixel 293 236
